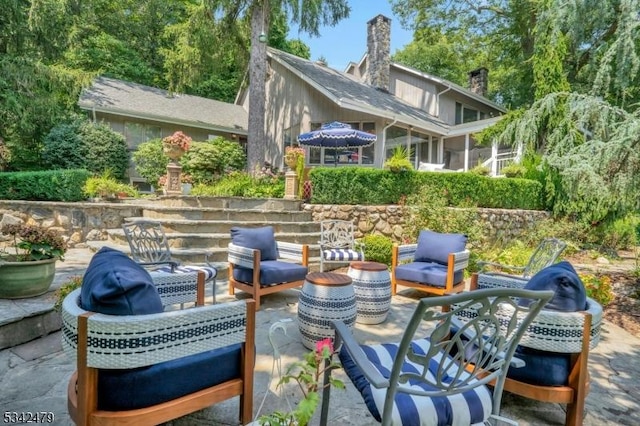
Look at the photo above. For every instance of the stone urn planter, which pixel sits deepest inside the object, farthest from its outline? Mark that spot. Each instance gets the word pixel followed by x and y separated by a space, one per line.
pixel 26 279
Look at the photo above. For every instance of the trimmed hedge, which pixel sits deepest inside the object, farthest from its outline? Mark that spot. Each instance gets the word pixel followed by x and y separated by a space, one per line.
pixel 50 185
pixel 367 186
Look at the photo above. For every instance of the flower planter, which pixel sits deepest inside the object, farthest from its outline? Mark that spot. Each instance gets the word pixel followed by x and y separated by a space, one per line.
pixel 26 279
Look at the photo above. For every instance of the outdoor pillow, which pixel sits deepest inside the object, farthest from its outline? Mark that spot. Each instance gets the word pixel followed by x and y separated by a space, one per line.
pixel 262 239
pixel 116 285
pixel 570 293
pixel 436 247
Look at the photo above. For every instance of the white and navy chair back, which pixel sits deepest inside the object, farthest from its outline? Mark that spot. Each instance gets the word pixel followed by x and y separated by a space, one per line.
pixel 337 243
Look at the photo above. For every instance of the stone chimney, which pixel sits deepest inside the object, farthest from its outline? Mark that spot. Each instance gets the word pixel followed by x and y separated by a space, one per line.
pixel 479 81
pixel 378 52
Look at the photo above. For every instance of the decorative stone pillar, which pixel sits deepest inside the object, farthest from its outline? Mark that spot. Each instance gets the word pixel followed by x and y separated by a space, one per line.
pixel 290 185
pixel 173 185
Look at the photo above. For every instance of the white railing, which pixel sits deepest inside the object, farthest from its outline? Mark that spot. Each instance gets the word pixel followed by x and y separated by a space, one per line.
pixel 501 160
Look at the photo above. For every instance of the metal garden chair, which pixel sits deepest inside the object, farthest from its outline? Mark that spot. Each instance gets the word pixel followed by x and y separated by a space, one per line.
pixel 337 243
pixel 150 248
pixel 545 254
pixel 442 378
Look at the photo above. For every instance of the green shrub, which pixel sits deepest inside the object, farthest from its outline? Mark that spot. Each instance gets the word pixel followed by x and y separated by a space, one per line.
pixel 150 162
pixel 208 161
pixel 377 248
pixel 367 186
pixel 598 287
pixel 106 186
pixel 514 170
pixel 88 145
pixel 619 234
pixel 240 184
pixel 399 160
pixel 51 185
pixel 64 290
pixel 480 170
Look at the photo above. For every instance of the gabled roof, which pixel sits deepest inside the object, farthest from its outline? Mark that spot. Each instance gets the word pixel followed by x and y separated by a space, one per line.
pixel 351 94
pixel 128 99
pixel 432 78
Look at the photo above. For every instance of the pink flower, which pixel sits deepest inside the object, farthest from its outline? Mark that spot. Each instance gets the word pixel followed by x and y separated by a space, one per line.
pixel 178 139
pixel 322 344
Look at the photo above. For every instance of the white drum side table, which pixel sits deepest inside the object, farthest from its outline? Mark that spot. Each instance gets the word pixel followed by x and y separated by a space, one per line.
pixel 372 285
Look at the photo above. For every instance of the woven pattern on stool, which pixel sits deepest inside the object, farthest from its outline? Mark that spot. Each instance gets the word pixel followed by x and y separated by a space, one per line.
pixel 373 294
pixel 319 305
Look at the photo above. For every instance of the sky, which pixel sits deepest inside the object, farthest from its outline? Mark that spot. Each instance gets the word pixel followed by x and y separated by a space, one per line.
pixel 347 41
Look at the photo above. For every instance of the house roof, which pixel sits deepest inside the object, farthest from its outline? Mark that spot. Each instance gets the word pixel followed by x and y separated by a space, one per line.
pixel 351 94
pixel 128 99
pixel 437 80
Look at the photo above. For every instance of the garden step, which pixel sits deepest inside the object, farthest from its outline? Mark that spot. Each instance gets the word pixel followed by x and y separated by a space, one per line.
pixel 214 240
pixel 195 213
pixel 237 203
pixel 224 226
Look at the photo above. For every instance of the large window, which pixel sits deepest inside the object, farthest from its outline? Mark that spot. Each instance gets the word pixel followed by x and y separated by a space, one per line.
pixel 465 114
pixel 137 133
pixel 344 156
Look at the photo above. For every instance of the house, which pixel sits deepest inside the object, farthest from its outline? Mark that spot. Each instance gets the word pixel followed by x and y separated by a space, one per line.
pixel 434 118
pixel 142 113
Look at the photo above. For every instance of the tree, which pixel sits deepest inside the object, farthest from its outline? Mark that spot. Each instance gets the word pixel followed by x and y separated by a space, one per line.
pixel 227 14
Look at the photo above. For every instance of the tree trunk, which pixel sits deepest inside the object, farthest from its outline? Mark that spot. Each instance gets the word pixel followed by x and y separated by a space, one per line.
pixel 257 141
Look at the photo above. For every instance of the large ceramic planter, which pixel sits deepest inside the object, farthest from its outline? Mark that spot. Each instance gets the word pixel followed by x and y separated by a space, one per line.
pixel 26 279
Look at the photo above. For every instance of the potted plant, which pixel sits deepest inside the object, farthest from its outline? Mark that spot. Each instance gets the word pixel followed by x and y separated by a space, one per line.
pixel 175 145
pixel 28 270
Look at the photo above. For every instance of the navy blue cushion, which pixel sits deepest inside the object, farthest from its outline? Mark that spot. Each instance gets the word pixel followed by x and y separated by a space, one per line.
pixel 436 247
pixel 542 368
pixel 272 272
pixel 144 387
pixel 116 285
pixel 431 273
pixel 570 293
pixel 262 239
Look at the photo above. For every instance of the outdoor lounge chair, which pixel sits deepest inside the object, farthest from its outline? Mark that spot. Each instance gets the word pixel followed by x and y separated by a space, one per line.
pixel 140 365
pixel 424 380
pixel 150 248
pixel 337 243
pixel 260 265
pixel 436 263
pixel 545 254
pixel 556 345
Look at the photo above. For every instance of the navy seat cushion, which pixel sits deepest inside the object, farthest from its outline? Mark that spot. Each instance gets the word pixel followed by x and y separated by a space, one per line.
pixel 570 293
pixel 431 273
pixel 114 284
pixel 262 239
pixel 542 368
pixel 147 386
pixel 272 272
pixel 436 247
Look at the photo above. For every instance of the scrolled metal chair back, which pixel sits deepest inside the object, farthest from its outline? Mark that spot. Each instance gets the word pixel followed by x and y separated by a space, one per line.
pixel 147 242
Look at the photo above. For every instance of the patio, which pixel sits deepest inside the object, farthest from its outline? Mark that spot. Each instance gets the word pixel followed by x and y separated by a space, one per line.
pixel 34 376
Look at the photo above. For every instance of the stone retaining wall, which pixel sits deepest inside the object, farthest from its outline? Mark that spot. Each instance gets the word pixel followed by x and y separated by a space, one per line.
pixel 79 222
pixel 389 220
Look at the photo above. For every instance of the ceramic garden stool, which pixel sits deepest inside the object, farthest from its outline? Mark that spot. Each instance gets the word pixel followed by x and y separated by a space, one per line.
pixel 325 296
pixel 372 285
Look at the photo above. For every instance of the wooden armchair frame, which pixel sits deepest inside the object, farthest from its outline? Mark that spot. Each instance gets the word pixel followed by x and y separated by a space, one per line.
pixel 456 262
pixel 573 332
pixel 250 258
pixel 199 333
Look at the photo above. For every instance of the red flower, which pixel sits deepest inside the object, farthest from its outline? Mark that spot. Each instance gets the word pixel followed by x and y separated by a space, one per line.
pixel 323 344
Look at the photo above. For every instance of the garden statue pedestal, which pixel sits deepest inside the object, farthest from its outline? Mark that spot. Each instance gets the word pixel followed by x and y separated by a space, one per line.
pixel 173 185
pixel 290 185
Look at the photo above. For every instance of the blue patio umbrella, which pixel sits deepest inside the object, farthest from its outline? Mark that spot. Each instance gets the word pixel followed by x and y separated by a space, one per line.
pixel 336 135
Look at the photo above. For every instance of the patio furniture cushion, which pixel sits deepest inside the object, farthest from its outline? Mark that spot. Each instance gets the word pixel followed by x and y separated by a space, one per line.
pixel 426 272
pixel 348 255
pixel 115 284
pixel 147 386
pixel 570 293
pixel 541 367
pixel 262 239
pixel 470 407
pixel 436 247
pixel 209 271
pixel 272 272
